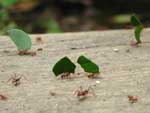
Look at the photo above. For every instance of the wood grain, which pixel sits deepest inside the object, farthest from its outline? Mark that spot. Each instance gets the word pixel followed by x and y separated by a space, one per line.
pixel 123 73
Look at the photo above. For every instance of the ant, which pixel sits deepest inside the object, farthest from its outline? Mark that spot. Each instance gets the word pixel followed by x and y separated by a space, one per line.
pixel 134 44
pixel 92 75
pixel 2 97
pixel 132 99
pixel 22 53
pixel 15 80
pixel 83 93
pixel 65 75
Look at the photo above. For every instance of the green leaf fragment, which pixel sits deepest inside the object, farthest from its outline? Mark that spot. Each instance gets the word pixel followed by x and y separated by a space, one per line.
pixel 88 65
pixel 137 33
pixel 21 39
pixel 135 21
pixel 64 65
pixel 138 28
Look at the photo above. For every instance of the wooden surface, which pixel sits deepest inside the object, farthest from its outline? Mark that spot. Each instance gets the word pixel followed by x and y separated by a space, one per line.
pixel 125 72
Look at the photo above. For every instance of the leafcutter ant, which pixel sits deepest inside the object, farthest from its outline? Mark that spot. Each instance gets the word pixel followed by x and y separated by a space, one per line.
pixel 65 75
pixel 82 94
pixel 15 80
pixel 132 99
pixel 92 75
pixel 134 44
pixel 22 53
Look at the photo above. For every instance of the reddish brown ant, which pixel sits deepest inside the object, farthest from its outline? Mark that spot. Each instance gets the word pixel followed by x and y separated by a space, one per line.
pixel 134 44
pixel 15 80
pixel 65 75
pixel 83 93
pixel 2 97
pixel 92 75
pixel 132 99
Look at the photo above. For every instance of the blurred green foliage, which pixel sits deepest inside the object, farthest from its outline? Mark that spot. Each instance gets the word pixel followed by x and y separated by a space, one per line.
pixel 7 3
pixel 11 11
pixel 55 16
pixel 6 23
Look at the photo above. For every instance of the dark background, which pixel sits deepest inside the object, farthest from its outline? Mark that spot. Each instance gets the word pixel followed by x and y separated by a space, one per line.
pixel 55 16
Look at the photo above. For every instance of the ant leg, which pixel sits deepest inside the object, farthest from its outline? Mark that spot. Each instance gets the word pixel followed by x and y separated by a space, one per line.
pixel 91 91
pixel 11 78
pixel 75 92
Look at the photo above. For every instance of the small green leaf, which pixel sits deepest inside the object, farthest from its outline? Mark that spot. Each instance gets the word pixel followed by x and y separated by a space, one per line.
pixel 137 33
pixel 135 21
pixel 64 65
pixel 21 39
pixel 88 65
pixel 138 28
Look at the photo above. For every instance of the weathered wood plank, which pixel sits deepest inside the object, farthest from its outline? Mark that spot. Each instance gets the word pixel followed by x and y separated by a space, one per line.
pixel 123 73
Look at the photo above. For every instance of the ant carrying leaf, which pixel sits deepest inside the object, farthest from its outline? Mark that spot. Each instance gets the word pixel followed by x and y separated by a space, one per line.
pixel 132 99
pixel 90 67
pixel 64 67
pixel 138 29
pixel 82 94
pixel 21 40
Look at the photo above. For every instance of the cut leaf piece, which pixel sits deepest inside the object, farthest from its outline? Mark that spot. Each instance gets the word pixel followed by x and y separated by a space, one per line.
pixel 88 65
pixel 135 21
pixel 64 65
pixel 21 39
pixel 138 28
pixel 137 33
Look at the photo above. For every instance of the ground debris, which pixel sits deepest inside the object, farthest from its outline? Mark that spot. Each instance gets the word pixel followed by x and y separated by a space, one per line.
pixel 15 80
pixel 40 49
pixel 39 40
